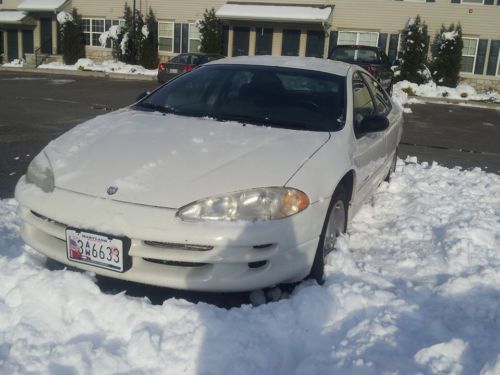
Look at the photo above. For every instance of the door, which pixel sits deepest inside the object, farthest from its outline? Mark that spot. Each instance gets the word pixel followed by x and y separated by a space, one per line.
pixel 263 41
pixel 12 45
pixel 369 149
pixel 315 43
pixel 46 35
pixel 27 42
pixel 241 41
pixel 291 43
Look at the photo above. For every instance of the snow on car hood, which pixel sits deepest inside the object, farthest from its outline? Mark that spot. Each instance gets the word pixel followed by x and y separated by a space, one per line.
pixel 168 161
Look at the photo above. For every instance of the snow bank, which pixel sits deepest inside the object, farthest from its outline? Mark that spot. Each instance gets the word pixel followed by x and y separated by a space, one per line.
pixel 109 66
pixel 431 90
pixel 414 288
pixel 16 63
pixel 63 17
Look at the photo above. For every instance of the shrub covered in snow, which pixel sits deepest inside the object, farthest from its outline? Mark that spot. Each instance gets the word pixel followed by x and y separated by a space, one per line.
pixel 447 51
pixel 149 48
pixel 415 44
pixel 210 32
pixel 132 38
pixel 72 41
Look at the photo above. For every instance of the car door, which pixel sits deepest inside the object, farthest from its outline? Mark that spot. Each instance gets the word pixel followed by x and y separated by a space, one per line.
pixel 369 149
pixel 384 106
pixel 385 73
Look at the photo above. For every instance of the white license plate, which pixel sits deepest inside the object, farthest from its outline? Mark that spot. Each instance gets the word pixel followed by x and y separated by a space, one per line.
pixel 174 71
pixel 95 250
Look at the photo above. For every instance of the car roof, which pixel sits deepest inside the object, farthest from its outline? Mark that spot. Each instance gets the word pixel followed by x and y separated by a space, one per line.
pixel 307 63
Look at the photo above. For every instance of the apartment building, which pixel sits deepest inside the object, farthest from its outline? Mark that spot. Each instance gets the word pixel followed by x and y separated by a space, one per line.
pixel 276 27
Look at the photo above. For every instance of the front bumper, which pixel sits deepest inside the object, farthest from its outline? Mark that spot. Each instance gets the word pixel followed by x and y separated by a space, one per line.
pixel 168 252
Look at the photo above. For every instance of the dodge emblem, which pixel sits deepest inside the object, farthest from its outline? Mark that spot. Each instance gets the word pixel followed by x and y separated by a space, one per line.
pixel 112 190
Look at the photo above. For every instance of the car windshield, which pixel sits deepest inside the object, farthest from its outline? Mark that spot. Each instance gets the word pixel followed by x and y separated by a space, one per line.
pixel 359 55
pixel 261 95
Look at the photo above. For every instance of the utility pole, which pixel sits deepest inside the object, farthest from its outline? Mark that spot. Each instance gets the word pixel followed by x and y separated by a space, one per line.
pixel 133 35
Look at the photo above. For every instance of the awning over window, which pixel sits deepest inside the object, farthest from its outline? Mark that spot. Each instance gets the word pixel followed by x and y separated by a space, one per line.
pixel 12 17
pixel 274 13
pixel 41 5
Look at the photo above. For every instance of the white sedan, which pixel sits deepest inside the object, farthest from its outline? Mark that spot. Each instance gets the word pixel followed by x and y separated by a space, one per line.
pixel 236 176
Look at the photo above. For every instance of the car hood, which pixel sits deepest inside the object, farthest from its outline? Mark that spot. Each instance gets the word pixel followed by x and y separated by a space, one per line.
pixel 167 160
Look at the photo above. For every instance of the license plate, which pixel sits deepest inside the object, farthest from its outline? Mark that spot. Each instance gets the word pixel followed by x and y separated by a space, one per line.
pixel 97 250
pixel 174 71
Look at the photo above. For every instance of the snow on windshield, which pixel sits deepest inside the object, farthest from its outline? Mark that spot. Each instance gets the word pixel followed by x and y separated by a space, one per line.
pixel 414 288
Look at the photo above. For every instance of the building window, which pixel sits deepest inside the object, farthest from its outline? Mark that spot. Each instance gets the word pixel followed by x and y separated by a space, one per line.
pixel 263 41
pixel 473 2
pixel 166 36
pixel 315 43
pixel 498 64
pixel 364 38
pixel 469 55
pixel 194 38
pixel 92 29
pixel 291 43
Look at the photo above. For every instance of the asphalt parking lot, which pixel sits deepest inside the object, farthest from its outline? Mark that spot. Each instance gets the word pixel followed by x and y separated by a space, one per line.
pixel 37 108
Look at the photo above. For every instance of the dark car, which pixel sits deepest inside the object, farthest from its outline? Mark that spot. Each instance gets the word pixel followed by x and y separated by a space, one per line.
pixel 373 59
pixel 185 62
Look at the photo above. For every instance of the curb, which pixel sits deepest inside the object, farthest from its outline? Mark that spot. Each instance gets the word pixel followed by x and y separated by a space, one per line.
pixel 80 73
pixel 427 99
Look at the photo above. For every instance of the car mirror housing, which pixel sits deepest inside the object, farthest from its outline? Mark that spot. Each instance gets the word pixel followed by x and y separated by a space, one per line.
pixel 373 124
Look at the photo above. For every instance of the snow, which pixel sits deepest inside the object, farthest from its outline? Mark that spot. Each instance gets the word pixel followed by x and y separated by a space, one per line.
pixel 112 33
pixel 16 63
pixel 145 31
pixel 123 43
pixel 7 16
pixel 413 289
pixel 63 17
pixel 108 66
pixel 431 90
pixel 273 13
pixel 42 5
pixel 449 35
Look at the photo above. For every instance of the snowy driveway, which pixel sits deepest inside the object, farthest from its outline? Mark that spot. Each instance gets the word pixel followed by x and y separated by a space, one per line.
pixel 415 289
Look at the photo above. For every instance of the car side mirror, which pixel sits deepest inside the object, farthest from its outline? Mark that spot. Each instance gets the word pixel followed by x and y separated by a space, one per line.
pixel 142 95
pixel 373 124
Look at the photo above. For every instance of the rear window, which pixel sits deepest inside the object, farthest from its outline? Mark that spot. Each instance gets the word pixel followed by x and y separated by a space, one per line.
pixel 270 96
pixel 357 55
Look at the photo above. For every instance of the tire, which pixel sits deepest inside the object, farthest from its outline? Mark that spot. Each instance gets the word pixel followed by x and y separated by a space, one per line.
pixel 335 224
pixel 393 166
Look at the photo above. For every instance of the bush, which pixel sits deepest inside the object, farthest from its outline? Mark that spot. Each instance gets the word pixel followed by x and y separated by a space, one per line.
pixel 132 37
pixel 447 48
pixel 149 48
pixel 72 41
pixel 414 51
pixel 210 32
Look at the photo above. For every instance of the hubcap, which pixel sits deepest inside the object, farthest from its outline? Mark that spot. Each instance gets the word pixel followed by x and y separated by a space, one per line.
pixel 336 225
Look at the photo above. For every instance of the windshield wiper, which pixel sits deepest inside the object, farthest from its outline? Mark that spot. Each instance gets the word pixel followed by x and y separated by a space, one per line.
pixel 157 107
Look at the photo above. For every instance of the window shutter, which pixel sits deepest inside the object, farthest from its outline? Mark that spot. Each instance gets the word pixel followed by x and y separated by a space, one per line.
pixel 393 47
pixel 489 2
pixel 185 38
pixel 455 1
pixel 177 38
pixel 382 41
pixel 492 61
pixel 333 42
pixel 430 1
pixel 481 56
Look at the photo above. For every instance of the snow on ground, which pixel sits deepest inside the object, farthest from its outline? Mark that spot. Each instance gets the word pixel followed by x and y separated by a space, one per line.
pixel 431 90
pixel 414 288
pixel 108 66
pixel 16 63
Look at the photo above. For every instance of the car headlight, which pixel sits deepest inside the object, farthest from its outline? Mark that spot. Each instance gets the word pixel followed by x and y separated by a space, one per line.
pixel 250 205
pixel 40 173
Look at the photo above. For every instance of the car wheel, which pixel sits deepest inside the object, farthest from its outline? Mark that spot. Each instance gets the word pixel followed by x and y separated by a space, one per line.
pixel 393 166
pixel 335 224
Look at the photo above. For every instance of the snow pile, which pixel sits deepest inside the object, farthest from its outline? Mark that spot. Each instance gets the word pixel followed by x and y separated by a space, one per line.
pixel 431 90
pixel 414 288
pixel 63 17
pixel 16 63
pixel 108 66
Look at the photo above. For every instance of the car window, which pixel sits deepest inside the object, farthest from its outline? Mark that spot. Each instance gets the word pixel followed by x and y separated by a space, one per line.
pixel 357 54
pixel 381 99
pixel 384 58
pixel 262 95
pixel 194 59
pixel 362 100
pixel 181 59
